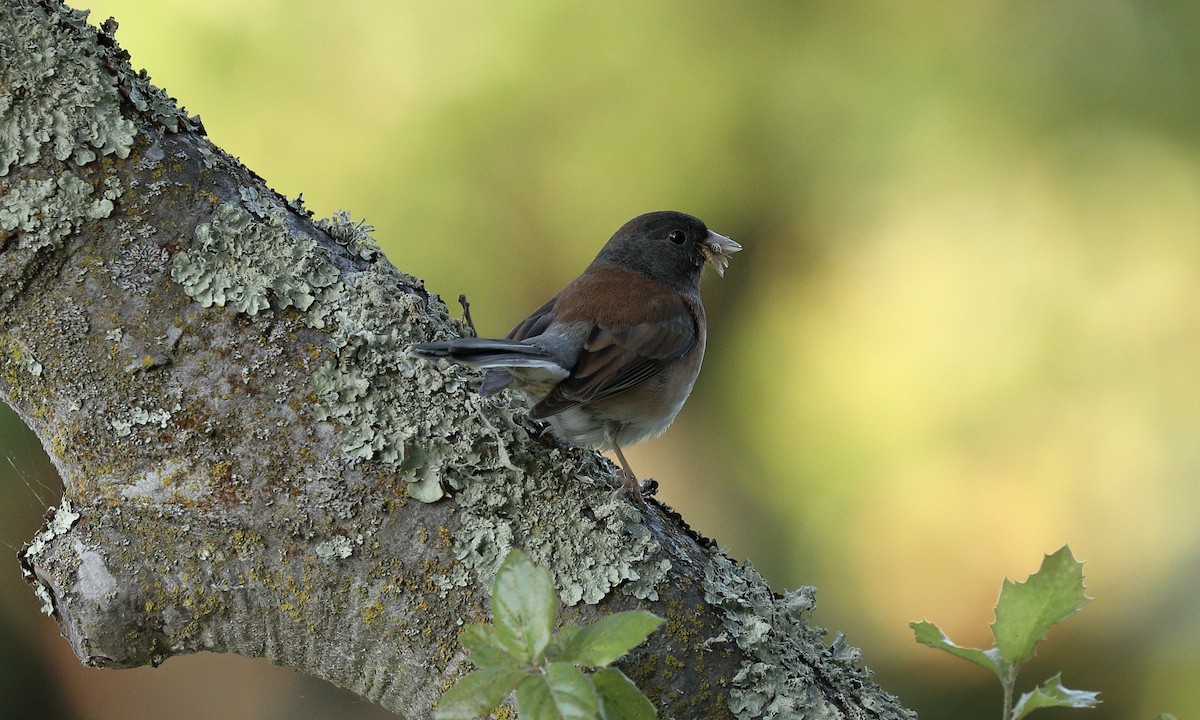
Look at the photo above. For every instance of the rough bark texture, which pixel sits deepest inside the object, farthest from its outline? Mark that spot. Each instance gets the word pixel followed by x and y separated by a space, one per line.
pixel 253 463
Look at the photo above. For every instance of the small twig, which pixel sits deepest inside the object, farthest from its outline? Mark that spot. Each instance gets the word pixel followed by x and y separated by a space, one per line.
pixel 466 306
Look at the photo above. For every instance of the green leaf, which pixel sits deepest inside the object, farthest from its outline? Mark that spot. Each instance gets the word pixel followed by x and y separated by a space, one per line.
pixel 1026 611
pixel 929 634
pixel 609 638
pixel 477 693
pixel 524 605
pixel 620 699
pixel 1052 694
pixel 558 646
pixel 485 648
pixel 563 693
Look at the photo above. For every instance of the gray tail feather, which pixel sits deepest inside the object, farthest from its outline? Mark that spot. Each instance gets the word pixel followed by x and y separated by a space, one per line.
pixel 486 353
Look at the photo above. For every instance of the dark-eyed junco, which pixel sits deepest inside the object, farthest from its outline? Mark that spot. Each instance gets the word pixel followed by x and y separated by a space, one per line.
pixel 610 360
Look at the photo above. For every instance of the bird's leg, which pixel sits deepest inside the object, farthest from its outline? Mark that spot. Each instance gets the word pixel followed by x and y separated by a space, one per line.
pixel 629 481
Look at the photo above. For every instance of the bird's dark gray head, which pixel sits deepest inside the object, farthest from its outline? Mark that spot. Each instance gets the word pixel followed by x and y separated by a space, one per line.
pixel 669 246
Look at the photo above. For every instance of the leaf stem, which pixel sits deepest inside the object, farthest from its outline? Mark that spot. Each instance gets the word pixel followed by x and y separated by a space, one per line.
pixel 1009 681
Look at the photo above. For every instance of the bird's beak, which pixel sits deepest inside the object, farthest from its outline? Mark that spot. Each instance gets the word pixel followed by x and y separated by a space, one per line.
pixel 717 249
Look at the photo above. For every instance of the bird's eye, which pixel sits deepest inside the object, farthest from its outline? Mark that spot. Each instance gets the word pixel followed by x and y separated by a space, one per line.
pixel 677 236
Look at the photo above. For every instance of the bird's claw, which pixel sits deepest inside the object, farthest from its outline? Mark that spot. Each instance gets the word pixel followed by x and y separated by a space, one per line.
pixel 631 487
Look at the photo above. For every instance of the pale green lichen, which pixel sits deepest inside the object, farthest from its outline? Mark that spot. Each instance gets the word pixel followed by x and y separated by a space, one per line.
pixel 32 366
pixel 47 211
pixel 252 265
pixel 443 437
pixel 339 546
pixel 425 423
pixel 61 521
pixel 373 388
pixel 138 262
pixel 254 201
pixel 564 520
pixel 354 236
pixel 43 594
pixel 154 101
pixel 139 416
pixel 257 266
pixel 22 355
pixel 785 654
pixel 50 91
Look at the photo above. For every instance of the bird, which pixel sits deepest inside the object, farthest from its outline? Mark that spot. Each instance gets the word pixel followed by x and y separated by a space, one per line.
pixel 610 360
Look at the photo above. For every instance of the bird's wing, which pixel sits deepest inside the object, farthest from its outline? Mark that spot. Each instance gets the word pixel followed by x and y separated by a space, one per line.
pixel 617 356
pixel 536 323
pixel 495 380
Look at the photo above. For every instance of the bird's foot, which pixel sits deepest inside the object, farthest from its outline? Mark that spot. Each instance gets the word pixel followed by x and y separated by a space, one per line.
pixel 630 487
pixel 543 433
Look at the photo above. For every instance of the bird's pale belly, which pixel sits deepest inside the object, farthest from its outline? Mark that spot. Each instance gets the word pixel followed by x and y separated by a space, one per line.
pixel 638 414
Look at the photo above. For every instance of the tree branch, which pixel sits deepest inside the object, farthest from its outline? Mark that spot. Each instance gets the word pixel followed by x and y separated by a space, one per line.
pixel 253 463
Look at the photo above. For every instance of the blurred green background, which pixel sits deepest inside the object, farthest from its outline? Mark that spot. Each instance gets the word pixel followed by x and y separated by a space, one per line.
pixel 964 330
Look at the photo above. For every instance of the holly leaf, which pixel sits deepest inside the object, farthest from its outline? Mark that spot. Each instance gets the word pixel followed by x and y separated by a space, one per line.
pixel 607 639
pixel 1026 611
pixel 928 634
pixel 1052 694
pixel 524 606
pixel 563 693
pixel 485 648
pixel 619 698
pixel 478 692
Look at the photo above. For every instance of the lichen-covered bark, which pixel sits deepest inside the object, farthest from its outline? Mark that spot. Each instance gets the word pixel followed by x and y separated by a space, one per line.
pixel 252 461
